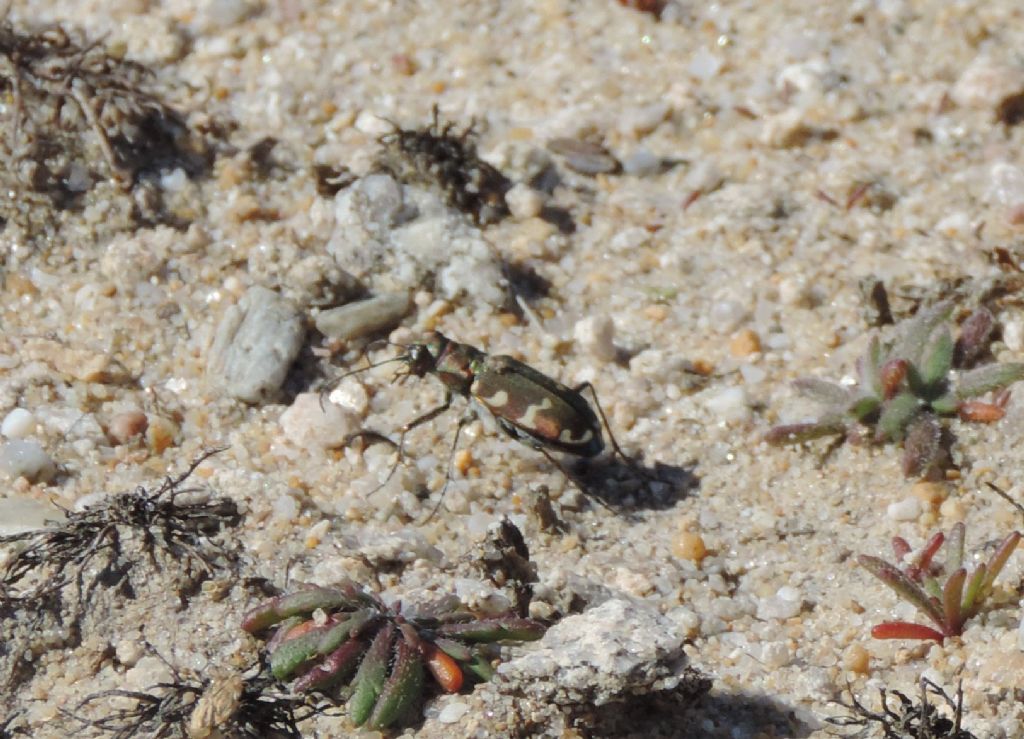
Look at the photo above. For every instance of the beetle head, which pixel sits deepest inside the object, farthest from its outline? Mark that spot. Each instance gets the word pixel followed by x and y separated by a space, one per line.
pixel 422 358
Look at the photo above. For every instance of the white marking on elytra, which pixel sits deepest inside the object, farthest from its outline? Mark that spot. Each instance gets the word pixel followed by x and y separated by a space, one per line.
pixel 498 400
pixel 567 437
pixel 530 417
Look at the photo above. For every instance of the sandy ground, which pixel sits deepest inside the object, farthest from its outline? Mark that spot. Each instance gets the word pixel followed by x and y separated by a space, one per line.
pixel 775 156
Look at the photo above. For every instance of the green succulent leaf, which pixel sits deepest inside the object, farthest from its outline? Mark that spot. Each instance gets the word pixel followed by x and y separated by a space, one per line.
pixel 955 547
pixel 301 602
pixel 336 667
pixel 864 406
pixel 903 586
pixel 495 629
pixel 988 378
pixel 951 602
pixel 370 677
pixel 829 393
pixel 998 561
pixel 402 689
pixel 869 368
pixel 317 642
pixel 896 416
pixel 455 650
pixel 972 595
pixel 946 404
pixel 480 666
pixel 938 360
pixel 795 433
pixel 913 340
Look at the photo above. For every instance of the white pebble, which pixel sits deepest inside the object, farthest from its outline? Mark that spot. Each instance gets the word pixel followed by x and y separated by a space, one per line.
pixel 986 81
pixel 306 424
pixel 18 424
pixel 786 603
pixel 704 65
pixel 752 374
pixel 1013 334
pixel 28 459
pixel 453 712
pixel 372 124
pixel 907 509
pixel 285 508
pixel 726 315
pixel 641 163
pixel 729 404
pixel 1006 184
pixel 596 334
pixel 644 119
pixel 524 202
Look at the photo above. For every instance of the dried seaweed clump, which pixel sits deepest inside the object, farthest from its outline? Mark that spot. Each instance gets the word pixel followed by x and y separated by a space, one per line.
pixel 905 719
pixel 77 113
pixel 907 389
pixel 230 706
pixel 440 157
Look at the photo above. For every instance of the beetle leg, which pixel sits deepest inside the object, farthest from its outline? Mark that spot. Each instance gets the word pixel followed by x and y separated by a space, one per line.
pixel 466 418
pixel 570 478
pixel 629 461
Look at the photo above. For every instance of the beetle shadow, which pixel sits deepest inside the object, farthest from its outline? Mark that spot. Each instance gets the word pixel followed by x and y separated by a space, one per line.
pixel 633 484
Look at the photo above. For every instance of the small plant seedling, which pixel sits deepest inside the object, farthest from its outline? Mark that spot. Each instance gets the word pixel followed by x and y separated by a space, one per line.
pixel 347 636
pixel 905 719
pixel 438 156
pixel 906 390
pixel 529 406
pixel 947 604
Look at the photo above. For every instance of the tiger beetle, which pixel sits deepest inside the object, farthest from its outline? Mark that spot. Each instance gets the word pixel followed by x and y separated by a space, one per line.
pixel 529 406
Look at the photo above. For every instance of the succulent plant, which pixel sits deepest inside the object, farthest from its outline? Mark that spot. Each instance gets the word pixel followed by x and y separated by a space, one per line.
pixel 948 604
pixel 327 637
pixel 906 389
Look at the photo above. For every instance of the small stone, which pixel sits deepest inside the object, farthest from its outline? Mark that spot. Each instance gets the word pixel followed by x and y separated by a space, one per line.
pixel 786 130
pixel 585 157
pixel 18 424
pixel 986 82
pixel 786 603
pixel 725 315
pixel 744 343
pixel 907 509
pixel 26 458
pixel 689 545
pixel 857 659
pixel 729 404
pixel 640 121
pixel 524 202
pixel 160 434
pixel 931 494
pixel 453 712
pixel 129 651
pixel 596 334
pixel 127 425
pixel 308 424
pixel 641 163
pixel 255 345
pixel 463 461
pixel 353 320
pixel 952 509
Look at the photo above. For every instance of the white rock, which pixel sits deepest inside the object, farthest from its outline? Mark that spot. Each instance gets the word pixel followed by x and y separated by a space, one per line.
pixel 986 82
pixel 726 315
pixel 641 120
pixel 453 712
pixel 18 424
pixel 1006 184
pixel 305 423
pixel 26 458
pixel 372 124
pixel 729 404
pixel 524 202
pixel 596 334
pixel 786 603
pixel 704 65
pixel 1013 334
pixel 907 509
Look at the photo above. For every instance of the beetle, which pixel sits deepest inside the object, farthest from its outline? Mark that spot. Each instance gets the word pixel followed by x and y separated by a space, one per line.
pixel 528 405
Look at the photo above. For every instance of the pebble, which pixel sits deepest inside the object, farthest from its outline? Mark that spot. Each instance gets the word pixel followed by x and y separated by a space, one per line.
pixel 986 82
pixel 354 320
pixel 641 120
pixel 585 157
pixel 744 343
pixel 907 509
pixel 160 433
pixel 596 334
pixel 524 202
pixel 931 494
pixel 641 163
pixel 26 458
pixel 729 404
pixel 453 712
pixel 19 514
pixel 690 545
pixel 307 424
pixel 255 345
pixel 786 603
pixel 725 315
pixel 18 424
pixel 857 659
pixel 126 425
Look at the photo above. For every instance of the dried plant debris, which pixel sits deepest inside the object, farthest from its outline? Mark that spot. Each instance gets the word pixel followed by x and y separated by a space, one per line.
pixel 346 636
pixel 229 706
pixel 51 580
pixel 77 114
pixel 949 603
pixel 899 717
pixel 907 389
pixel 439 156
